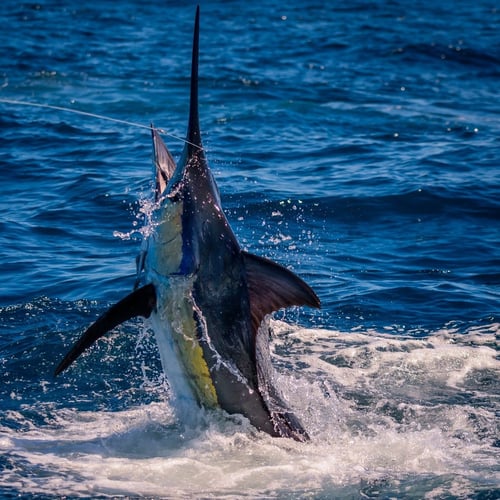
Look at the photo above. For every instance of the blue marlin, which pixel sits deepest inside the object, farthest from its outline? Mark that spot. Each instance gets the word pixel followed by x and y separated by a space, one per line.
pixel 207 298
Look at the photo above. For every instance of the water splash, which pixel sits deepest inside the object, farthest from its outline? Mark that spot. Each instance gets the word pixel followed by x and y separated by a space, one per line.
pixel 387 414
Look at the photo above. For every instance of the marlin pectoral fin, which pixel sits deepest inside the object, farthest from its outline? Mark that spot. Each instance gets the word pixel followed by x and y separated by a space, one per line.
pixel 272 287
pixel 140 302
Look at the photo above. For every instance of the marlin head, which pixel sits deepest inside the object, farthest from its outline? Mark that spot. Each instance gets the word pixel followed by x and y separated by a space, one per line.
pixel 207 298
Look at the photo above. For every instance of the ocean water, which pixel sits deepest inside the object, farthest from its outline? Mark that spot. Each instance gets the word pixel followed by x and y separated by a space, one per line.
pixel 357 143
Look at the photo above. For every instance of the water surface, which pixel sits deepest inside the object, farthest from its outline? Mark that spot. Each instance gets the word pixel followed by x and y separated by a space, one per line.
pixel 357 144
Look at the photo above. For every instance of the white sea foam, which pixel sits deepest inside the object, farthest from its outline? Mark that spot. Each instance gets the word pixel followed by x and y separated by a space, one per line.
pixel 385 413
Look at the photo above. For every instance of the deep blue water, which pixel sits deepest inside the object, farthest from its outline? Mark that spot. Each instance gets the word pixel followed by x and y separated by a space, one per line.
pixel 357 143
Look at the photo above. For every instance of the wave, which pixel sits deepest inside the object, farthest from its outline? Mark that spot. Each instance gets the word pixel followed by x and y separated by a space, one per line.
pixel 390 411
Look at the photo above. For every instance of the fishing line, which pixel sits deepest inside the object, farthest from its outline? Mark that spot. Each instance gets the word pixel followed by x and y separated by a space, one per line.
pixel 94 115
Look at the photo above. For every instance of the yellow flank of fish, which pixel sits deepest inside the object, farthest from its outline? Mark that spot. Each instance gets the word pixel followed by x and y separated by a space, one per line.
pixel 178 310
pixel 194 362
pixel 168 241
pixel 165 259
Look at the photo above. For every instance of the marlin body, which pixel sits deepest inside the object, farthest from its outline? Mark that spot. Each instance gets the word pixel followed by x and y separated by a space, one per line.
pixel 207 298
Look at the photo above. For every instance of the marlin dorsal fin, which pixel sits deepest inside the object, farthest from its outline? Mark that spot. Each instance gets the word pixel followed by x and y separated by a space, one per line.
pixel 272 287
pixel 164 163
